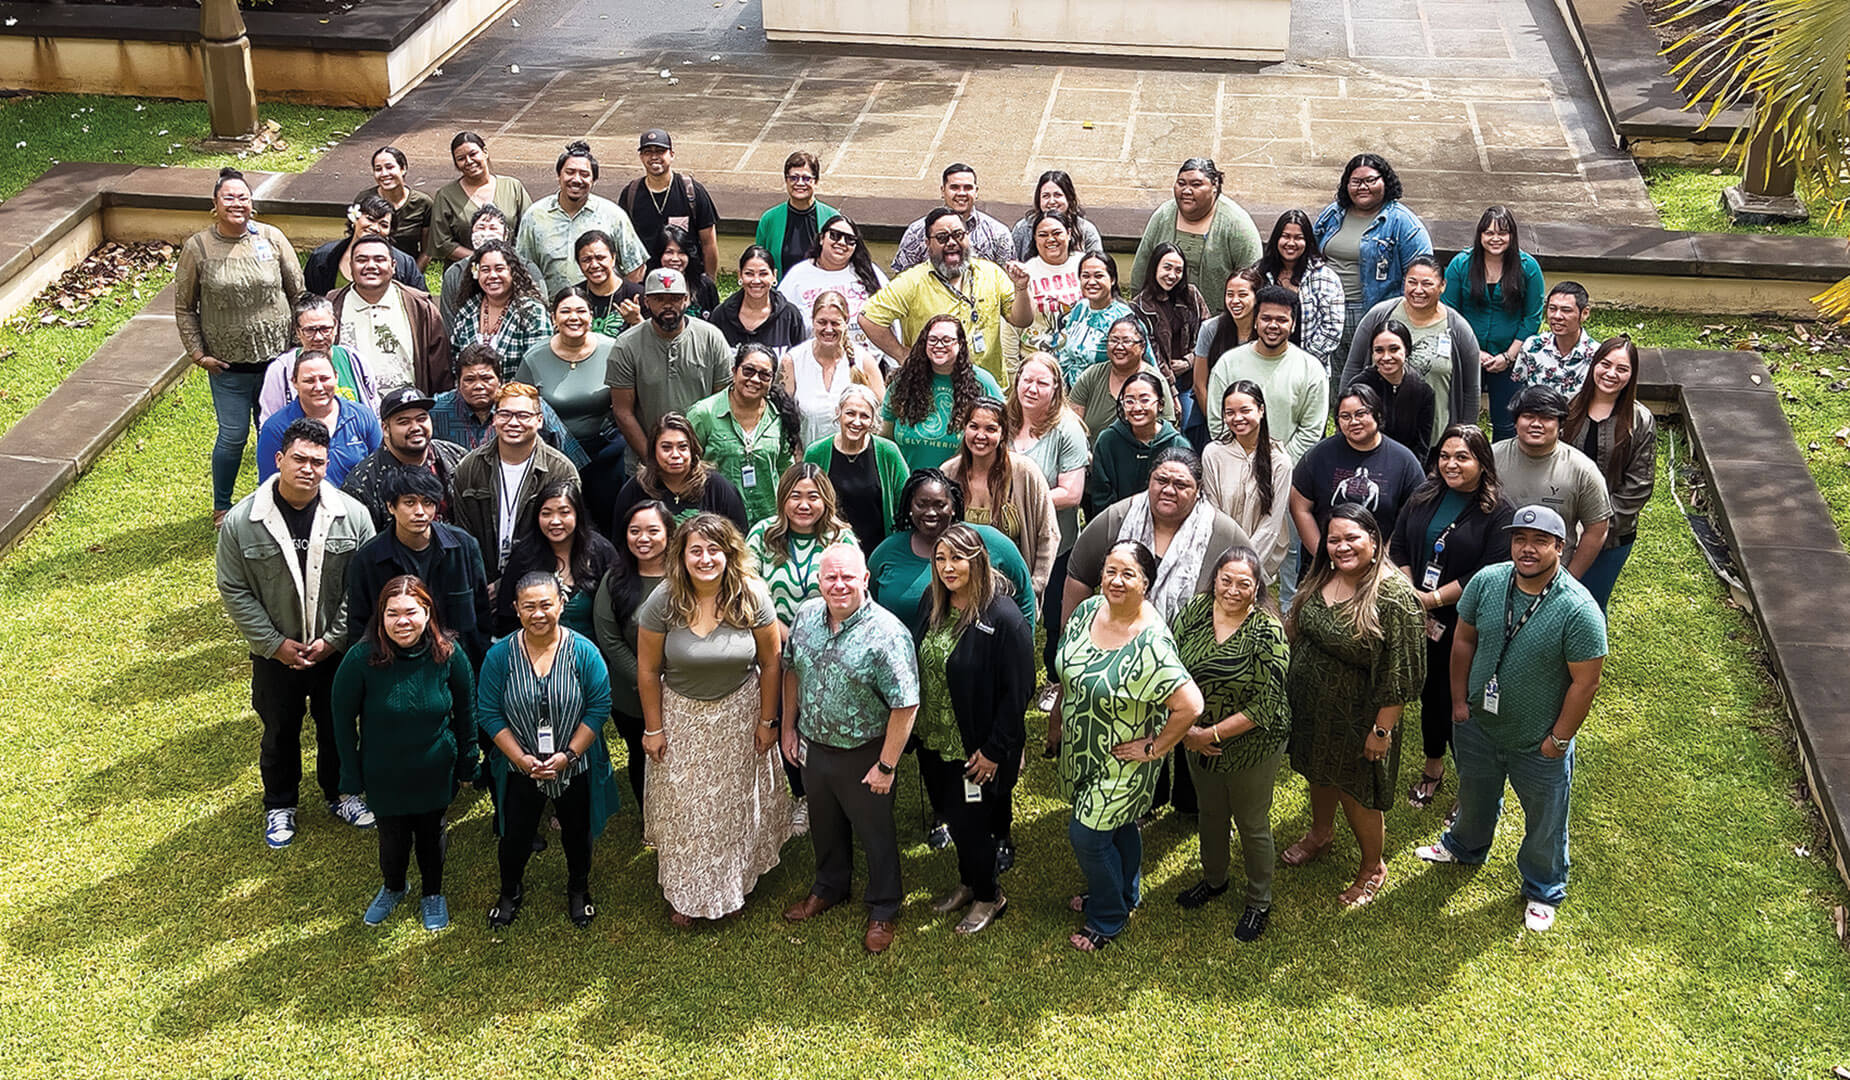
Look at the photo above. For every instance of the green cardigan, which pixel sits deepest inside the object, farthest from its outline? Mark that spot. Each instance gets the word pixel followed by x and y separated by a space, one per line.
pixel 771 229
pixel 406 731
pixel 889 462
pixel 1233 244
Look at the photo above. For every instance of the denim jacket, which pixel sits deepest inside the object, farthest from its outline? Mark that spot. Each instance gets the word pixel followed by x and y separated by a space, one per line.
pixel 1397 236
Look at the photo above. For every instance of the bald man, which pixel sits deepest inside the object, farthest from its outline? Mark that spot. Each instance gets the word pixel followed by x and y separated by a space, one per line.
pixel 851 689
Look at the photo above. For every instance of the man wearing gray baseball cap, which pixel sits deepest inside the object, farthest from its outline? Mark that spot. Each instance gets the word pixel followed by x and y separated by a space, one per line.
pixel 666 362
pixel 1525 665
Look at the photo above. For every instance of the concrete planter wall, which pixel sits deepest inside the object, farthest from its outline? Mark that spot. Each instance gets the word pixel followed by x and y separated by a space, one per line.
pixel 1224 29
pixel 369 58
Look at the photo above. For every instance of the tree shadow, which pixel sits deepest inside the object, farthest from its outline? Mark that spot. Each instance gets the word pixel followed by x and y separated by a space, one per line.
pixel 174 676
pixel 121 555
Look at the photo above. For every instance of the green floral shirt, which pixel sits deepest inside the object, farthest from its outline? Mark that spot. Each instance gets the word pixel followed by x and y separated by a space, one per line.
pixel 1111 696
pixel 850 678
pixel 1244 674
pixel 936 726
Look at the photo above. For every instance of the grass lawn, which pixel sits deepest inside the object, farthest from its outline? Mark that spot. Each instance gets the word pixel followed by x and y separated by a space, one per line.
pixel 148 932
pixel 1689 198
pixel 41 130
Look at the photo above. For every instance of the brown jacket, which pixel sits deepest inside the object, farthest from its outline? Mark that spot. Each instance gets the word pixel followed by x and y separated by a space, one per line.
pixel 430 342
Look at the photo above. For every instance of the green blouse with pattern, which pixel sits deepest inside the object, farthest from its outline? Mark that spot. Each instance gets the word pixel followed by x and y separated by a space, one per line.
pixel 936 726
pixel 791 580
pixel 1109 696
pixel 1244 674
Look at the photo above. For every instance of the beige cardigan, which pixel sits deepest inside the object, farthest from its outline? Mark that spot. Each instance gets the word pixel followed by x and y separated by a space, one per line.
pixel 1227 482
pixel 1028 518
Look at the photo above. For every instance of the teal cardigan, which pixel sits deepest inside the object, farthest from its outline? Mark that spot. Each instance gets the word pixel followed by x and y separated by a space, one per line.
pixel 889 462
pixel 491 685
pixel 771 229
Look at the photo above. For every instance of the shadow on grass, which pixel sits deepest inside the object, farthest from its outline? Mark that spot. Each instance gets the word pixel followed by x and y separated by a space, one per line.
pixel 122 554
pixel 174 676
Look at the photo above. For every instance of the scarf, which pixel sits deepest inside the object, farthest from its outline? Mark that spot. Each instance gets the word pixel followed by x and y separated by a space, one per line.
pixel 1176 572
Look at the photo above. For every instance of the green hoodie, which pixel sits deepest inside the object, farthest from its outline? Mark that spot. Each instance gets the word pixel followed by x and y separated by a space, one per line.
pixel 1121 463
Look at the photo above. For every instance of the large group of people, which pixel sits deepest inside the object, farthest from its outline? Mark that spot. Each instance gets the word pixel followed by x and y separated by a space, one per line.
pixel 775 542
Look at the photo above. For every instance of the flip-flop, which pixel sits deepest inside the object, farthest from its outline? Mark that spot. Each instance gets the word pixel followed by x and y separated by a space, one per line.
pixel 1420 800
pixel 1094 941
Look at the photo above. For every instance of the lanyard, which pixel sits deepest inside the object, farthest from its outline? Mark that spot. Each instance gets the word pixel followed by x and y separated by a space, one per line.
pixel 1512 625
pixel 975 308
pixel 1438 544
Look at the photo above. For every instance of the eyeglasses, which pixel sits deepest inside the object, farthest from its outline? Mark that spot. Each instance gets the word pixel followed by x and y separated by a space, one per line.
pixel 756 374
pixel 1124 342
pixel 316 331
pixel 948 237
pixel 1365 181
pixel 847 240
pixel 1348 417
pixel 941 342
pixel 519 416
pixel 799 178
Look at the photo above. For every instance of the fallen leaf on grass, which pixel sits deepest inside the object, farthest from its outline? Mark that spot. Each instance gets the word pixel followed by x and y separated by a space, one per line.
pixel 1842 435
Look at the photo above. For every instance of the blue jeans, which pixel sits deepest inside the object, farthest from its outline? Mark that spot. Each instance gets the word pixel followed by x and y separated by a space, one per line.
pixel 1604 573
pixel 1542 786
pixel 1500 389
pixel 234 400
pixel 1113 865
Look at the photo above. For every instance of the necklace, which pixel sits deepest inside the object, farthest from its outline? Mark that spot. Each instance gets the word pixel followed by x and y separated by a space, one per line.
pixel 661 204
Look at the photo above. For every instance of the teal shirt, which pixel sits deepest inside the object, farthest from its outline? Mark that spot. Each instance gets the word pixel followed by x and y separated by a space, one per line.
pixel 850 678
pixel 734 451
pixel 1532 681
pixel 898 579
pixel 1496 328
pixel 1451 504
pixel 932 441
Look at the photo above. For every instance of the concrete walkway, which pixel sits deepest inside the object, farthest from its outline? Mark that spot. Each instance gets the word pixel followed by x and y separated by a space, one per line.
pixel 1473 100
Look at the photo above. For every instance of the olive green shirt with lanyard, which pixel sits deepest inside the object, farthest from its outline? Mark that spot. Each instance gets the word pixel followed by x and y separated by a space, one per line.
pixel 754 461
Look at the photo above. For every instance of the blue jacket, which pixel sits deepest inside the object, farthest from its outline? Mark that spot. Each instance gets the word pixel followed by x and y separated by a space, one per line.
pixel 1397 236
pixel 356 434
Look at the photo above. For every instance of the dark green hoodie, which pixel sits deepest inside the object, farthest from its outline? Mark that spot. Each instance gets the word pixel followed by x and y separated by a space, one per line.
pixel 1121 463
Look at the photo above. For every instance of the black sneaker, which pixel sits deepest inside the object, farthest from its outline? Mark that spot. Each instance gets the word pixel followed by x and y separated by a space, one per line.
pixel 506 908
pixel 1252 923
pixel 1005 854
pixel 939 837
pixel 1200 893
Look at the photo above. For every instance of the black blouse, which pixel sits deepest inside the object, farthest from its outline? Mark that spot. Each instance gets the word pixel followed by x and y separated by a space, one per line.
pixel 1477 540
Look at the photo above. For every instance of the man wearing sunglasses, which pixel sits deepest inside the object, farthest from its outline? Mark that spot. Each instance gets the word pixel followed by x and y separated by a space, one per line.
pixel 790 228
pixel 989 238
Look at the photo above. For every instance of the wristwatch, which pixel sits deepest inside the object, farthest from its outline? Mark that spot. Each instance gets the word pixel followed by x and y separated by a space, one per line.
pixel 1560 743
pixel 1381 732
pixel 1149 749
pixel 571 757
pixel 885 769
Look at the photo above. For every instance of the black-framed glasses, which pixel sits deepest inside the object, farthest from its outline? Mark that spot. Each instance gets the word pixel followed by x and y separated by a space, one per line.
pixel 799 178
pixel 948 237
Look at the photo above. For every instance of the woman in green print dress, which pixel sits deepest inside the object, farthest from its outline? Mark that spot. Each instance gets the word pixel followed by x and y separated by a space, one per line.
pixel 1125 700
pixel 1235 650
pixel 1358 655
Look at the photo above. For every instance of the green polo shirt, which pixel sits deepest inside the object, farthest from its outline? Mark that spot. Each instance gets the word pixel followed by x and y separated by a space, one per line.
pixel 753 460
pixel 1567 628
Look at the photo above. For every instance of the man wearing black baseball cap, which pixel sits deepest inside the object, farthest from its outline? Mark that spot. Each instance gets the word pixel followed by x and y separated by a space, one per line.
pixel 1526 663
pixel 662 196
pixel 404 413
pixel 1536 467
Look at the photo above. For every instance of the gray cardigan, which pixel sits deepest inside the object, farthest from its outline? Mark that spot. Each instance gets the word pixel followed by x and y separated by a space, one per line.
pixel 1461 405
pixel 1636 478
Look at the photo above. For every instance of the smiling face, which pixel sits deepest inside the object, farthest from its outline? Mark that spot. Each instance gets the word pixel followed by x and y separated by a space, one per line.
pixel 932 512
pixel 756 278
pixel 517 421
pixel 1291 245
pixel 558 519
pixel 647 536
pixel 983 433
pixel 953 570
pixel 1239 297
pixel 372 268
pixel 1458 466
pixel 1613 373
pixel 705 560
pixel 838 243
pixel 800 185
pixel 1367 189
pixel 493 275
pixel 597 264
pixel 1169 270
pixel 315 385
pixel 1357 423
pixel 1235 588
pixel 404 618
pixel 1537 433
pixel 1422 287
pixel 1095 283
pixel 1052 198
pixel 574 181
pixel 1349 546
pixel 842 580
pixel 674 257
pixel 1052 242
pixel 388 174
pixel 1122 580
pixel 1141 407
pixel 572 318
pixel 1564 316
pixel 657 161
pixel 943 340
pixel 232 204
pixel 831 326
pixel 857 420
pixel 752 379
pixel 1272 326
pixel 1390 356
pixel 959 191
pixel 538 607
pixel 407 433
pixel 1495 240
pixel 803 507
pixel 948 246
pixel 1173 492
pixel 1242 415
pixel 471 162
pixel 1535 553
pixel 1124 347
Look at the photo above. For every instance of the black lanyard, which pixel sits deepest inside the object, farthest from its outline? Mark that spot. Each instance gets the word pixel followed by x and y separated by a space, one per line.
pixel 975 308
pixel 1512 625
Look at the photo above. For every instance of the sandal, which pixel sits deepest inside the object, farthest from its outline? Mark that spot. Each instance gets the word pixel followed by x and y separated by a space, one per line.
pixel 1420 795
pixel 1361 895
pixel 1078 903
pixel 506 909
pixel 1089 940
pixel 1305 851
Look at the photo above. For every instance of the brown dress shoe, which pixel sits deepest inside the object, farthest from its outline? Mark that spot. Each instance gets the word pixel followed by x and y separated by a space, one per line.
pixel 879 935
pixel 807 908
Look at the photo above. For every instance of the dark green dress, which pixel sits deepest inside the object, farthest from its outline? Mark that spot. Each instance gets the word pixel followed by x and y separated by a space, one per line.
pixel 1244 674
pixel 1338 682
pixel 405 731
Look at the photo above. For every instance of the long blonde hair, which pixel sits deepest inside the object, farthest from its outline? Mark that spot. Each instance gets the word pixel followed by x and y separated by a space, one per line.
pixel 1364 617
pixel 828 529
pixel 965 544
pixel 1056 405
pixel 737 603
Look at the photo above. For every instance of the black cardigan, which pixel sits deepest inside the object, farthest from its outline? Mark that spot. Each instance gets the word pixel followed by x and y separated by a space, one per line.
pixel 991 677
pixel 1407 408
pixel 1477 541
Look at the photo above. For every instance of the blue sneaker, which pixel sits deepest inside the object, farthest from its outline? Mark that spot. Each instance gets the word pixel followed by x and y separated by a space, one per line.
pixel 352 810
pixel 436 912
pixel 382 905
pixel 279 827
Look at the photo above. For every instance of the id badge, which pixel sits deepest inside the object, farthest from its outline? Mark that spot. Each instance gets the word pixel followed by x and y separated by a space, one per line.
pixel 748 476
pixel 802 752
pixel 973 791
pixel 1434 629
pixel 1381 269
pixel 1491 696
pixel 547 748
pixel 1430 579
pixel 979 341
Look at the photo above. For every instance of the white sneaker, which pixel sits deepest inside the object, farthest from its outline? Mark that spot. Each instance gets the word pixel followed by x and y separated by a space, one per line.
pixel 352 810
pixel 1538 916
pixel 799 820
pixel 278 827
pixel 1435 853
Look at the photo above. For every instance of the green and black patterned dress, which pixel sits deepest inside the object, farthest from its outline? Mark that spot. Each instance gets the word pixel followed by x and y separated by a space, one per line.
pixel 1111 696
pixel 1338 682
pixel 1244 674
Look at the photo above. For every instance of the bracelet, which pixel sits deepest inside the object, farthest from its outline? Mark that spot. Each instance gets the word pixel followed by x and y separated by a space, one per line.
pixel 885 769
pixel 771 723
pixel 657 731
pixel 1216 730
pixel 571 757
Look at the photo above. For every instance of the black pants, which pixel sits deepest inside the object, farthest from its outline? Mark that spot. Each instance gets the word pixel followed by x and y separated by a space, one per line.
pixel 1174 786
pixel 522 805
pixel 841 809
pixel 279 694
pixel 602 477
pixel 398 835
pixel 969 822
pixel 630 727
pixel 1050 612
pixel 1000 802
pixel 1436 697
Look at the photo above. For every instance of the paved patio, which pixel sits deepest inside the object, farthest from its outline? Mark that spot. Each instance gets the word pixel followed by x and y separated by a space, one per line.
pixel 1474 102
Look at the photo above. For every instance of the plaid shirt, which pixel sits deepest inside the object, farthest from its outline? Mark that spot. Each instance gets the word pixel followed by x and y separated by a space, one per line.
pixel 1538 363
pixel 989 239
pixel 525 326
pixel 1321 305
